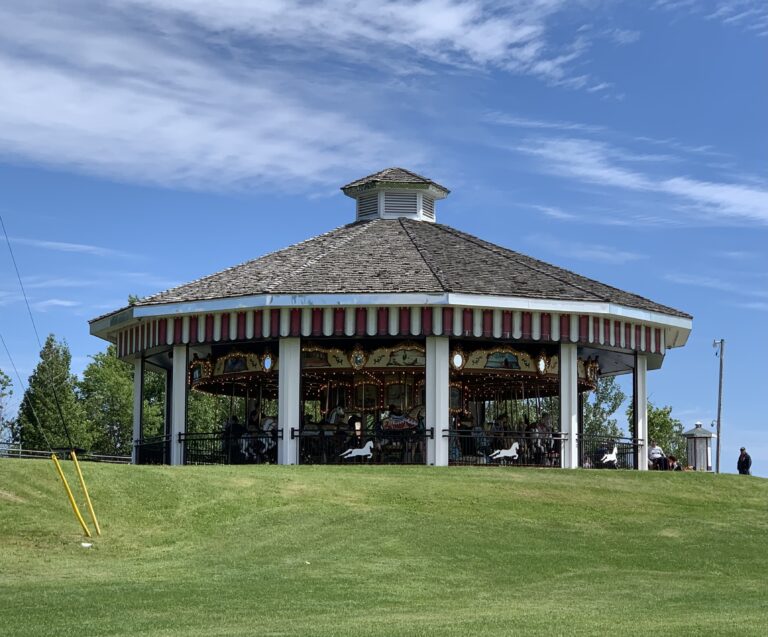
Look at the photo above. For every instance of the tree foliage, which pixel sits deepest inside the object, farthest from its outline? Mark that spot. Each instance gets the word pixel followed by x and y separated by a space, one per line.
pixel 51 403
pixel 106 391
pixel 666 430
pixel 600 405
pixel 8 429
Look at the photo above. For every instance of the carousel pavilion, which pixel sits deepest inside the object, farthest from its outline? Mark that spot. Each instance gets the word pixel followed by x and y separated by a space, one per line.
pixel 393 339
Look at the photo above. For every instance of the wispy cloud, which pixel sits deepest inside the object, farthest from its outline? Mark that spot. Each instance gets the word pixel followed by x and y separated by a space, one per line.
pixel 555 213
pixel 761 306
pixel 750 15
pixel 738 255
pixel 717 283
pixel 41 282
pixel 62 246
pixel 623 36
pixel 235 94
pixel 517 121
pixel 48 304
pixel 593 252
pixel 599 163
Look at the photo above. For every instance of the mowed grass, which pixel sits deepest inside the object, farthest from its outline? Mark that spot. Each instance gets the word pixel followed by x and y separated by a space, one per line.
pixel 364 550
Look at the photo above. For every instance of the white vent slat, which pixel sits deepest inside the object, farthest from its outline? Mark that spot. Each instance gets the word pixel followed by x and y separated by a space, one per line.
pixel 428 208
pixel 400 203
pixel 368 206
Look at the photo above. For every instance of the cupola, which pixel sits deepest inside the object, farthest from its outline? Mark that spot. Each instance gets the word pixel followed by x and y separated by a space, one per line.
pixel 393 193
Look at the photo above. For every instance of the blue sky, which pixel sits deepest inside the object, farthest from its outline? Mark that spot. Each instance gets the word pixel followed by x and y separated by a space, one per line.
pixel 145 143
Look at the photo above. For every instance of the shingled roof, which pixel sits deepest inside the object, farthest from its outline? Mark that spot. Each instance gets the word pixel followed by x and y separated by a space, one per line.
pixel 396 256
pixel 390 176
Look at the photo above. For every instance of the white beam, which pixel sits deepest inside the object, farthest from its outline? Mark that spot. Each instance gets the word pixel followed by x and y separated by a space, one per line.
pixel 569 404
pixel 138 400
pixel 178 402
pixel 437 398
pixel 289 398
pixel 640 399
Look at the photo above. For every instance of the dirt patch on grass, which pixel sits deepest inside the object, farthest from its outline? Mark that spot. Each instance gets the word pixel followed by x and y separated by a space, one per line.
pixel 11 497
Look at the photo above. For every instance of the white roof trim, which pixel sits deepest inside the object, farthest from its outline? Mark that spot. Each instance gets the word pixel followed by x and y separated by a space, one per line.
pixel 599 308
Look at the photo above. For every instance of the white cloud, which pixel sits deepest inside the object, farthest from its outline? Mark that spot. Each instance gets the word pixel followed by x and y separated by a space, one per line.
pixel 600 163
pixel 555 213
pixel 479 32
pixel 750 15
pixel 44 306
pixel 717 283
pixel 754 305
pixel 232 94
pixel 517 121
pixel 62 246
pixel 623 36
pixel 592 252
pixel 151 106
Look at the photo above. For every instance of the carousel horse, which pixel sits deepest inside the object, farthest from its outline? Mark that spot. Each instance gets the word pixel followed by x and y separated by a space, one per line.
pixel 611 458
pixel 506 453
pixel 365 451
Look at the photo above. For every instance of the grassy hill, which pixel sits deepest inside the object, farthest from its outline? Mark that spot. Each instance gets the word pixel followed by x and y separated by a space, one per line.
pixel 383 551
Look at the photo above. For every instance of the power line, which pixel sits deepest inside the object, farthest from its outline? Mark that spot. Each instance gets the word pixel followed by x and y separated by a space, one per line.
pixel 37 336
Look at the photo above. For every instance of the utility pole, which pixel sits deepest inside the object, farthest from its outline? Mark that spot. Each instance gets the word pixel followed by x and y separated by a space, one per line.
pixel 721 352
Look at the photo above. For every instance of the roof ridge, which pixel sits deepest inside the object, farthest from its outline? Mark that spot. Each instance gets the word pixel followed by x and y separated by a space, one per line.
pixel 421 254
pixel 344 240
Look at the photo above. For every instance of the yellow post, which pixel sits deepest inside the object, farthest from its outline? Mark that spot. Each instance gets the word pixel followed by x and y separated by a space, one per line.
pixel 69 494
pixel 85 492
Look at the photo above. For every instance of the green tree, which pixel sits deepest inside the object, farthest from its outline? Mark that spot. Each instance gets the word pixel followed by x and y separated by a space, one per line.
pixel 665 430
pixel 106 391
pixel 600 405
pixel 206 413
pixel 8 429
pixel 51 398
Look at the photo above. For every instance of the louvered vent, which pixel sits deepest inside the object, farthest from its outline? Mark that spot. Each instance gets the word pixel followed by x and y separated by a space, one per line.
pixel 399 203
pixel 367 206
pixel 428 208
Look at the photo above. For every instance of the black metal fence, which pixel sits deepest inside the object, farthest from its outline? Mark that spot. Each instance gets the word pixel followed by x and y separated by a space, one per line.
pixel 153 450
pixel 506 448
pixel 344 446
pixel 220 448
pixel 17 451
pixel 601 452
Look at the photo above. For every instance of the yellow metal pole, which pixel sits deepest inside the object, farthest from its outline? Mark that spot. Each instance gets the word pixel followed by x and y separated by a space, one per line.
pixel 85 492
pixel 69 494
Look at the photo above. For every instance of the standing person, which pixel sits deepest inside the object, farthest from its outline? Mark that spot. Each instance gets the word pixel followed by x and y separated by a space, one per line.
pixel 744 463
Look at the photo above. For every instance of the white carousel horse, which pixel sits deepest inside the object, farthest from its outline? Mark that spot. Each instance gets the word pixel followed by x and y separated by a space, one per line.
pixel 506 453
pixel 610 458
pixel 365 450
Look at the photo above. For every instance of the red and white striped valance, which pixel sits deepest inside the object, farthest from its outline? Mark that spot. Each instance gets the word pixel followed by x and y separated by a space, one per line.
pixel 508 325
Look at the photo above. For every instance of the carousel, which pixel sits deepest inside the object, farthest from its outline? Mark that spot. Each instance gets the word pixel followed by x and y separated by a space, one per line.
pixel 422 345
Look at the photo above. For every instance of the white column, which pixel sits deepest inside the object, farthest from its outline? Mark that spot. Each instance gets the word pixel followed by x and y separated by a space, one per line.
pixel 178 402
pixel 138 401
pixel 438 398
pixel 569 404
pixel 289 399
pixel 640 403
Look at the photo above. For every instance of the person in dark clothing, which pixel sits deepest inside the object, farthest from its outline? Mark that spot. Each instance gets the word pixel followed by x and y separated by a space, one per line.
pixel 673 464
pixel 744 463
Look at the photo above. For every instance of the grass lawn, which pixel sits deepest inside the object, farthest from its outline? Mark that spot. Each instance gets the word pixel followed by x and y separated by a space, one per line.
pixel 364 550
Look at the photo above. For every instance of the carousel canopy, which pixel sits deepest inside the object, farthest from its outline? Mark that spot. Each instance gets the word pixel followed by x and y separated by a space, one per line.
pixel 391 256
pixel 396 254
